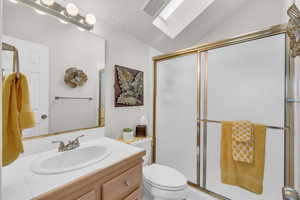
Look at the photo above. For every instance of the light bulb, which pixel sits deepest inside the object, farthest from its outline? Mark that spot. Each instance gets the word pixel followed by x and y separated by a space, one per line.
pixel 90 19
pixel 39 12
pixel 72 9
pixel 48 2
pixel 13 1
pixel 81 29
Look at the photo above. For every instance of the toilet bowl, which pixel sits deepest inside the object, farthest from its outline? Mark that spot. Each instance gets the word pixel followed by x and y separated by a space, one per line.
pixel 161 182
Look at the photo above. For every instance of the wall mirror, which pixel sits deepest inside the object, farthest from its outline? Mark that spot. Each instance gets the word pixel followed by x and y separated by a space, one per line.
pixel 47 49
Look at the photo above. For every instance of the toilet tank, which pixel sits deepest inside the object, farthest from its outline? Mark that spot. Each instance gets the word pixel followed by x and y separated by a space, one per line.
pixel 145 144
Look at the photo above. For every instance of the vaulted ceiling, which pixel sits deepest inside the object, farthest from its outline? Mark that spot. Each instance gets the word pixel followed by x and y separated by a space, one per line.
pixel 126 15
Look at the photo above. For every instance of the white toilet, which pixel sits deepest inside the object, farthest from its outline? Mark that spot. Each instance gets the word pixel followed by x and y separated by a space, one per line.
pixel 160 182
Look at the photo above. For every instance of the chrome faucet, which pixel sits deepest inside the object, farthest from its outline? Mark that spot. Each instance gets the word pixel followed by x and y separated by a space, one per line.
pixel 289 193
pixel 73 144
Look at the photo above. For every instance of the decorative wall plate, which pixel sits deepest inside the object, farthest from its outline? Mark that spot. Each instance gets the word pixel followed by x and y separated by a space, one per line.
pixel 129 87
pixel 75 77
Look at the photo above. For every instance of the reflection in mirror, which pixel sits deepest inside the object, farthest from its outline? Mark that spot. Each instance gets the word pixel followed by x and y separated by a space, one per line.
pixel 64 68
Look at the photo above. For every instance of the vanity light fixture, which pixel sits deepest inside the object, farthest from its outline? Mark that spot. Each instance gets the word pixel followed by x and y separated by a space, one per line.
pixel 65 14
pixel 48 2
pixel 90 19
pixel 39 12
pixel 80 29
pixel 62 21
pixel 72 9
pixel 13 1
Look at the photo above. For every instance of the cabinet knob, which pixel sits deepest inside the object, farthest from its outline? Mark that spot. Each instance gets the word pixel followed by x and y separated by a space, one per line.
pixel 126 183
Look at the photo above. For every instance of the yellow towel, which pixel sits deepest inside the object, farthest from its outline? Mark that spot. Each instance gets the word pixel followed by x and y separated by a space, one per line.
pixel 244 175
pixel 242 141
pixel 17 116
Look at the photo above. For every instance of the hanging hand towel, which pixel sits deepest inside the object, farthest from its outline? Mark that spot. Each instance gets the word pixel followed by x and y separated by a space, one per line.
pixel 245 175
pixel 242 141
pixel 17 116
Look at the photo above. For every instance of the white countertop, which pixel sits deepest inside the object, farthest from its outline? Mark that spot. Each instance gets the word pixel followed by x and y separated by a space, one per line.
pixel 20 183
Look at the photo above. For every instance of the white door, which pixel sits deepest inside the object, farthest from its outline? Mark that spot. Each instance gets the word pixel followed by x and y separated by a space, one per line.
pixel 34 63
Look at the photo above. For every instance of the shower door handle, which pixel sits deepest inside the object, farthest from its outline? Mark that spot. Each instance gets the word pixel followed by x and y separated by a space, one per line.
pixel 289 193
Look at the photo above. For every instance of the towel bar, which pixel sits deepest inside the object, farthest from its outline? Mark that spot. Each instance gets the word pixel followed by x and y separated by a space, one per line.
pixel 293 100
pixel 270 127
pixel 88 98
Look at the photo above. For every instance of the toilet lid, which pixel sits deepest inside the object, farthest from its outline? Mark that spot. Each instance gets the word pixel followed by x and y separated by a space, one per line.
pixel 164 176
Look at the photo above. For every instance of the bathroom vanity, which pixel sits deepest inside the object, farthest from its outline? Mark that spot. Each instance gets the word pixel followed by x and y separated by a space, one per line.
pixel 116 177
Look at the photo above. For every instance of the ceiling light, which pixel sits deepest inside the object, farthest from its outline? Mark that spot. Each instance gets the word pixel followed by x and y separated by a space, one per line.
pixel 39 12
pixel 13 1
pixel 90 19
pixel 72 9
pixel 48 2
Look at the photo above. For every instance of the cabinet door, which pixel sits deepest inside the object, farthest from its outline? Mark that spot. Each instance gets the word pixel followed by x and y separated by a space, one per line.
pixel 121 186
pixel 136 195
pixel 88 196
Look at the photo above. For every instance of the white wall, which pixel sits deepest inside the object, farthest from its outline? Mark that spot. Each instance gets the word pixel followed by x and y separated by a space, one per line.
pixel 125 50
pixel 69 47
pixel 153 52
pixel 253 15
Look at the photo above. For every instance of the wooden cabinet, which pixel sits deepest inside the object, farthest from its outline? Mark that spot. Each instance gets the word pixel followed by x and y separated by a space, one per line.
pixel 136 195
pixel 122 181
pixel 89 196
pixel 123 185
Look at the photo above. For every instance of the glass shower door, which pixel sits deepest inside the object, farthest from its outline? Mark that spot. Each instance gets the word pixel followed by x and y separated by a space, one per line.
pixel 176 115
pixel 247 82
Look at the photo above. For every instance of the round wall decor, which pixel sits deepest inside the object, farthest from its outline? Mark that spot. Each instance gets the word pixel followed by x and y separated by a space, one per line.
pixel 75 77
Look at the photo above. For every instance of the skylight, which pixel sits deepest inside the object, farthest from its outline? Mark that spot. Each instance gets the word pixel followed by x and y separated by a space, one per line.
pixel 170 8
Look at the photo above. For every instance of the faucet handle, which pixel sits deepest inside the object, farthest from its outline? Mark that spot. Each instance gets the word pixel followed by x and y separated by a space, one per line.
pixel 79 137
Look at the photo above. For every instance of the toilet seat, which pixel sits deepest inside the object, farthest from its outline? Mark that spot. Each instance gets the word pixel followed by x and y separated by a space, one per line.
pixel 164 178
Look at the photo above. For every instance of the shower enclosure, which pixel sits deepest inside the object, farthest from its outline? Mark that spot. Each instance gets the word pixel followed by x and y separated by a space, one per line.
pixel 249 77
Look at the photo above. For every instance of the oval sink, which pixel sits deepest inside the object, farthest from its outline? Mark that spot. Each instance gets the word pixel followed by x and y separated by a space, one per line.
pixel 60 162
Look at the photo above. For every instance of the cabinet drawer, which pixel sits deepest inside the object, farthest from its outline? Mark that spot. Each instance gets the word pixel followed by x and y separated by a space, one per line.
pixel 88 196
pixel 136 195
pixel 121 186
